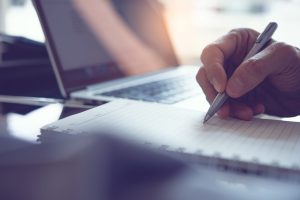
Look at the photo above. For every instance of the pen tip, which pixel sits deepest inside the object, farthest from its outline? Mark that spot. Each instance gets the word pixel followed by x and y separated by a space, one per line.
pixel 206 118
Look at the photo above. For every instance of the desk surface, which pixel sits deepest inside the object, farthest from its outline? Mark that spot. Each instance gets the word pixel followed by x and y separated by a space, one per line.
pixel 27 127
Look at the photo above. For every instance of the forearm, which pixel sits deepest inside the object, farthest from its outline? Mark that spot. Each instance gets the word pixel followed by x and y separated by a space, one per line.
pixel 119 40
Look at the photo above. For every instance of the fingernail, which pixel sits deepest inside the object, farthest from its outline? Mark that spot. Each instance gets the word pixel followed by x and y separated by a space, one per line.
pixel 217 85
pixel 235 87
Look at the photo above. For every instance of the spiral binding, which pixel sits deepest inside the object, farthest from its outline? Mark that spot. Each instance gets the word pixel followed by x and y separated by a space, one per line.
pixel 216 160
pixel 235 165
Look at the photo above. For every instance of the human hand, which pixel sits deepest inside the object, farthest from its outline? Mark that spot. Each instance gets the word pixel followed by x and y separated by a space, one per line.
pixel 131 54
pixel 269 82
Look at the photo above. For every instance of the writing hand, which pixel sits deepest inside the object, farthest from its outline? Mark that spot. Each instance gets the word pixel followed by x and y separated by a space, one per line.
pixel 269 82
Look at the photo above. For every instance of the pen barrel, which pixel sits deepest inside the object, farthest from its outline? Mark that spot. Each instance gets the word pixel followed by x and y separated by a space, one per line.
pixel 217 103
pixel 256 48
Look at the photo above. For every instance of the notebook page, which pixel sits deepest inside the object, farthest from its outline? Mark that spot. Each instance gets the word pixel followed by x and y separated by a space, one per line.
pixel 264 141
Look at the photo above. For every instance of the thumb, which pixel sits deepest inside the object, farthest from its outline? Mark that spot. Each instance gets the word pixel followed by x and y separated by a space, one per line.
pixel 253 71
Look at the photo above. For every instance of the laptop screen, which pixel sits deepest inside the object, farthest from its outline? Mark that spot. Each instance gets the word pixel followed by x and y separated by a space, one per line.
pixel 81 59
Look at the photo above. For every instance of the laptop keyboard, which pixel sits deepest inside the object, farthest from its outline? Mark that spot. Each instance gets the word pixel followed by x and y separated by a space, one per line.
pixel 167 91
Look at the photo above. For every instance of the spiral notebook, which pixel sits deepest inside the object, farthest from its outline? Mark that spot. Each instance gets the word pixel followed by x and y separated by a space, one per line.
pixel 265 147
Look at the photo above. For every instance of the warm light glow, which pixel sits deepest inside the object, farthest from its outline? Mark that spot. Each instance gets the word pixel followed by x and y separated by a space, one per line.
pixel 195 23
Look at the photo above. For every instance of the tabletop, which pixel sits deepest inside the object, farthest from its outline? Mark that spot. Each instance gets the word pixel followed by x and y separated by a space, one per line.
pixel 24 122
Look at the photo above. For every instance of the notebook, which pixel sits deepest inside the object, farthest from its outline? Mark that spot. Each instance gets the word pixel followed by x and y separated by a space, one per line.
pixel 261 146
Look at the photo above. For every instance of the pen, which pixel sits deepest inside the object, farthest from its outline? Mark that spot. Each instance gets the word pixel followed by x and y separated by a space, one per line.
pixel 260 42
pixel 37 101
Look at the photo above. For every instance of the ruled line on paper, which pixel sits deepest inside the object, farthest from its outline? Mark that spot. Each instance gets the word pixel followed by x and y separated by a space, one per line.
pixel 266 141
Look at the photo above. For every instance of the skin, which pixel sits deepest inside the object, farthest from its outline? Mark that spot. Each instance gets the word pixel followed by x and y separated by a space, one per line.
pixel 269 82
pixel 133 56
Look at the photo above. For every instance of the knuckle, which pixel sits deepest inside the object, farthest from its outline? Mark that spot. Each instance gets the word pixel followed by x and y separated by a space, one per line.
pixel 291 53
pixel 236 36
pixel 279 45
pixel 236 31
pixel 233 34
pixel 240 32
pixel 243 31
pixel 286 49
pixel 243 35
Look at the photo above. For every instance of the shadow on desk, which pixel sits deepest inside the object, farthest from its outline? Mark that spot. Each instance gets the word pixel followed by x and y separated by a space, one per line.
pixel 93 167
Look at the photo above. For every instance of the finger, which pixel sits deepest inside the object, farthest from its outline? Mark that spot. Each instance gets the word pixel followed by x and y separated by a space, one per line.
pixel 253 71
pixel 233 46
pixel 216 76
pixel 241 111
pixel 258 109
pixel 205 85
pixel 213 57
pixel 210 93
pixel 224 112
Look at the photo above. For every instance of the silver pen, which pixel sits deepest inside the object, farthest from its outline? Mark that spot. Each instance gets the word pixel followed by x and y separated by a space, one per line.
pixel 260 42
pixel 38 101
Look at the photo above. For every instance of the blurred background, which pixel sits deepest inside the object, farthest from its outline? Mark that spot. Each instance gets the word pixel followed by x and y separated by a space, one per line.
pixel 192 23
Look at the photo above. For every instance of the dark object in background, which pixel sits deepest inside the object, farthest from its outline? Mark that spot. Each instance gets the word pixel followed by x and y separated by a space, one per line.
pixel 82 168
pixel 93 167
pixel 25 70
pixel 15 49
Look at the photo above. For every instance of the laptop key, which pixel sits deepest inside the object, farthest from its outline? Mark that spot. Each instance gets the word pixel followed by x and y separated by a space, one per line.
pixel 167 91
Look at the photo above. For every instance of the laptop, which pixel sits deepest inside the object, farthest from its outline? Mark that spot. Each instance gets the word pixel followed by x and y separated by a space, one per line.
pixel 85 70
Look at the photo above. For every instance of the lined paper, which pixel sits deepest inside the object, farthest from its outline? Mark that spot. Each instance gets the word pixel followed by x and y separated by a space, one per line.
pixel 270 142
